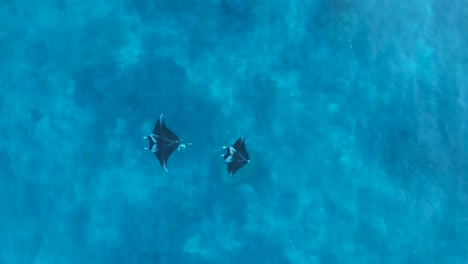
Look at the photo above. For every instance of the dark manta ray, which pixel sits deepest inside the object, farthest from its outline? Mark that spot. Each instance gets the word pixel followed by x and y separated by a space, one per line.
pixel 163 142
pixel 236 156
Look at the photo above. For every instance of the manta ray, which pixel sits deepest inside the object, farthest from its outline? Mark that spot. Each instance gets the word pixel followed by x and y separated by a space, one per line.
pixel 236 156
pixel 163 142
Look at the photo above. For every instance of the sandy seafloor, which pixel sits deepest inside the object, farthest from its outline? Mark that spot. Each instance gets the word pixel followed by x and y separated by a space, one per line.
pixel 355 114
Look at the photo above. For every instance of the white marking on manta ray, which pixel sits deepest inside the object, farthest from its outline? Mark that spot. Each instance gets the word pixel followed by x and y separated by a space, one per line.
pixel 145 137
pixel 230 158
pixel 154 148
pixel 153 140
pixel 166 139
pixel 183 145
pixel 164 167
pixel 243 158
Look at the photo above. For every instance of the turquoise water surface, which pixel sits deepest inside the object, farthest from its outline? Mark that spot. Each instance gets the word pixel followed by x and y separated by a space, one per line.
pixel 355 115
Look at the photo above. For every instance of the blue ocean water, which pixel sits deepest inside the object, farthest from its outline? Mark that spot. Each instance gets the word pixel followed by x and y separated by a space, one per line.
pixel 355 114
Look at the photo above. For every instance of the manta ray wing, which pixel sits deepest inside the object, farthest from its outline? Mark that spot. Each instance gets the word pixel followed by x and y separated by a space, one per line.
pixel 234 166
pixel 240 147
